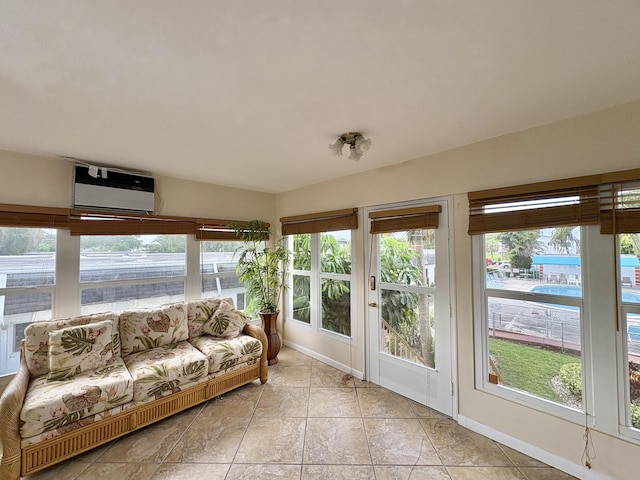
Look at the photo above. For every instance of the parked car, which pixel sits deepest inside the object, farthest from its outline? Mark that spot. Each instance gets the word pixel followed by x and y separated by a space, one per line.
pixel 490 262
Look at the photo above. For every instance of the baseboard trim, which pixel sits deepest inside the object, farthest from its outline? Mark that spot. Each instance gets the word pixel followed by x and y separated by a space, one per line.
pixel 555 461
pixel 329 361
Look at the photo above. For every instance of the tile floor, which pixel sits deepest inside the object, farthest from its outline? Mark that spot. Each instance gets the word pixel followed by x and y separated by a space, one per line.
pixel 310 421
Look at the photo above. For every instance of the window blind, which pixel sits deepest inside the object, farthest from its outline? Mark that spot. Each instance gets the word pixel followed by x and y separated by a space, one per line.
pixel 537 205
pixel 620 207
pixel 401 219
pixel 332 221
pixel 609 199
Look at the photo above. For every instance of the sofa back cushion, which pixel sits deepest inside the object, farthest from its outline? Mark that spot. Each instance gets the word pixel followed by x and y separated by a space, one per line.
pixel 73 350
pixel 144 329
pixel 37 338
pixel 226 322
pixel 200 311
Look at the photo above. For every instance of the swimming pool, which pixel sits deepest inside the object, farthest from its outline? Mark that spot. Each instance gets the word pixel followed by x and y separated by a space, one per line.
pixel 576 291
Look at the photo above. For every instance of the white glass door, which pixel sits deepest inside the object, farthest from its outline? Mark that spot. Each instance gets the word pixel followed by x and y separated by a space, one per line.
pixel 409 319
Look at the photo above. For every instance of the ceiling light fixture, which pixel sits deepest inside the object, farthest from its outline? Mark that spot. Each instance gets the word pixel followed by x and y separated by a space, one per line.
pixel 357 145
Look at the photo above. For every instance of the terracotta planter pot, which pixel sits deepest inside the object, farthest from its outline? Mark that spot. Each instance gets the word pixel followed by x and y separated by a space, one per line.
pixel 273 336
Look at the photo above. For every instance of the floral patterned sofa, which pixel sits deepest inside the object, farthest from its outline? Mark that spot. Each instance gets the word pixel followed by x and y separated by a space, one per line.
pixel 86 380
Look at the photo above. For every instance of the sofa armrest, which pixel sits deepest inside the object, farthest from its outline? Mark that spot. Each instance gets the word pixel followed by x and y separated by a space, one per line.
pixel 10 406
pixel 257 332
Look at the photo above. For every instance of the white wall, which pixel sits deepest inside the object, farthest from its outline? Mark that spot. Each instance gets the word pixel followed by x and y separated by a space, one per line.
pixel 603 141
pixel 45 181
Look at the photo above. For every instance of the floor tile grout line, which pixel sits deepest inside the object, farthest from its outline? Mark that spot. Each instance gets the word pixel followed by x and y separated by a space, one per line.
pixel 246 429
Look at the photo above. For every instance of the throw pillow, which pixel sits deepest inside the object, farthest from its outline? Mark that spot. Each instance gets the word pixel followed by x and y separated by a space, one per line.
pixel 78 349
pixel 226 322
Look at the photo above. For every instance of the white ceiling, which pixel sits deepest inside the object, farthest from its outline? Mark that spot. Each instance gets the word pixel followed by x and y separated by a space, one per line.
pixel 249 93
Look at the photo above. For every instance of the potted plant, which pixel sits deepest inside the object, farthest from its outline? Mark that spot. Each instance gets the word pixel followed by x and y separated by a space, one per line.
pixel 261 269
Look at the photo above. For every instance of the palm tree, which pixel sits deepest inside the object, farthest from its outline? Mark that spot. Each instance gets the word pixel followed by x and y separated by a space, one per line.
pixel 564 240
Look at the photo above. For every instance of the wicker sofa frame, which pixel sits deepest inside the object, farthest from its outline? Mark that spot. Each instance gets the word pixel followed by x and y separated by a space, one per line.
pixel 17 461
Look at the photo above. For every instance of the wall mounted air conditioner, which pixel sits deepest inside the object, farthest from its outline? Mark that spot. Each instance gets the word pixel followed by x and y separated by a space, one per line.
pixel 105 188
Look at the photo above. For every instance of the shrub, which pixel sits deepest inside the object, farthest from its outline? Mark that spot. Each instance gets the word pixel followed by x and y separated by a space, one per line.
pixel 634 382
pixel 635 415
pixel 571 376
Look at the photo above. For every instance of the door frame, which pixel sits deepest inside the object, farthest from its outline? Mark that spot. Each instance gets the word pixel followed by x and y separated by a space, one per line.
pixel 371 320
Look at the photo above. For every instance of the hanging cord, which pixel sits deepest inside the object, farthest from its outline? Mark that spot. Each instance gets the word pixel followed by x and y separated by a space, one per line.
pixel 589 451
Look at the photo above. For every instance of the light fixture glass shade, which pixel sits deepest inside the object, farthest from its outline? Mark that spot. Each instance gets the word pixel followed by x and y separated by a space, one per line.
pixel 362 144
pixel 355 154
pixel 336 148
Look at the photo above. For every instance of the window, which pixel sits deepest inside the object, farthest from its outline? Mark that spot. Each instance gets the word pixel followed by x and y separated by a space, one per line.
pixel 557 287
pixel 534 305
pixel 27 285
pixel 531 262
pixel 626 224
pixel 121 272
pixel 335 281
pixel 218 262
pixel 320 275
pixel 301 277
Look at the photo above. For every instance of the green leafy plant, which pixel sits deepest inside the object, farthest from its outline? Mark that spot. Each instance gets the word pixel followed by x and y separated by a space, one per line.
pixel 571 376
pixel 261 268
pixel 635 415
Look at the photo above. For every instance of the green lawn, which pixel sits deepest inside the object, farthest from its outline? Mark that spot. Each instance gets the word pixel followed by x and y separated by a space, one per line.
pixel 527 368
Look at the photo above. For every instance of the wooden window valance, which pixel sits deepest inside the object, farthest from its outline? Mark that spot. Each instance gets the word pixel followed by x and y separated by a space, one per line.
pixel 93 222
pixel 105 223
pixel 588 200
pixel 30 216
pixel 332 221
pixel 210 229
pixel 411 218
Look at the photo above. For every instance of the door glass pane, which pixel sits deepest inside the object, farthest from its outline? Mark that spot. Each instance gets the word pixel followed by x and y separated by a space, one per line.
pixel 302 298
pixel 408 258
pixel 407 276
pixel 535 347
pixel 407 326
pixel 336 306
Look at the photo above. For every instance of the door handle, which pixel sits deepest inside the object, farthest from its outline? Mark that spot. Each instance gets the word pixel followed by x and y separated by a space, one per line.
pixel 373 304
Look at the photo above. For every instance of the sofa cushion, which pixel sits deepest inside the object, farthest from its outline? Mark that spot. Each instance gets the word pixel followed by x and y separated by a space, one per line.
pixel 36 337
pixel 200 311
pixel 25 442
pixel 53 405
pixel 226 322
pixel 145 329
pixel 223 354
pixel 164 370
pixel 81 348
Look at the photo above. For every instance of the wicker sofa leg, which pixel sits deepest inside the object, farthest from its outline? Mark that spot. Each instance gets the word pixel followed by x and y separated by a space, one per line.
pixel 10 406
